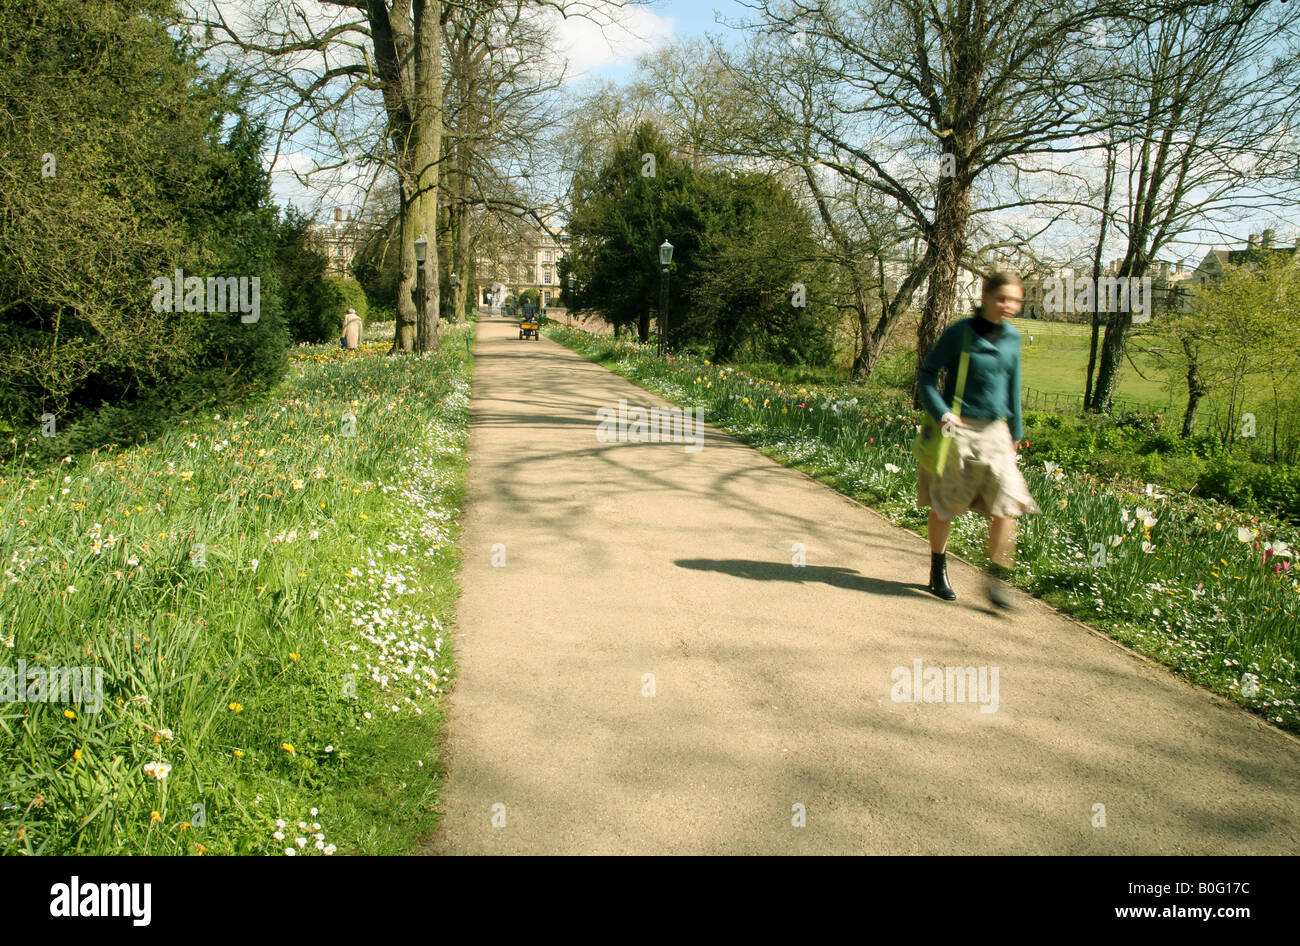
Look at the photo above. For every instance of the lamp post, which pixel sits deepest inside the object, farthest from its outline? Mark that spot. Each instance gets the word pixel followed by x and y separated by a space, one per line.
pixel 421 254
pixel 665 258
pixel 455 309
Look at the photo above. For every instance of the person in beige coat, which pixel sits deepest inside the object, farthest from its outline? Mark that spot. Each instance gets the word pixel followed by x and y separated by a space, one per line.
pixel 351 330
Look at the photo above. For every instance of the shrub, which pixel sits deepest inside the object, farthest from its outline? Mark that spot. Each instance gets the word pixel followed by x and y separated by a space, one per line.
pixel 339 294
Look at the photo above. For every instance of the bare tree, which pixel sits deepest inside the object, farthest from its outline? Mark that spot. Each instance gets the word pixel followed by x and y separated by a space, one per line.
pixel 1204 113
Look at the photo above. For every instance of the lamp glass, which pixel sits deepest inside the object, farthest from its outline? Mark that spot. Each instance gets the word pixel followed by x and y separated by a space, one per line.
pixel 665 253
pixel 421 248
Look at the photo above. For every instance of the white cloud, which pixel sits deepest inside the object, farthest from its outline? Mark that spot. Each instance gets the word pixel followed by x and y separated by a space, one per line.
pixel 611 37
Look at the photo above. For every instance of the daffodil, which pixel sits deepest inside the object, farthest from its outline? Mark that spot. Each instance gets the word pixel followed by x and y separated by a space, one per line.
pixel 157 770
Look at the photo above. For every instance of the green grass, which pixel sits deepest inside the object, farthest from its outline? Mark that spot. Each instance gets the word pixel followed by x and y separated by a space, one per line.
pixel 266 598
pixel 1184 589
pixel 1057 359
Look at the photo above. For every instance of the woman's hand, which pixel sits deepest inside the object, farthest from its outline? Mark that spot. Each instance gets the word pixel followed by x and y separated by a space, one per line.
pixel 949 422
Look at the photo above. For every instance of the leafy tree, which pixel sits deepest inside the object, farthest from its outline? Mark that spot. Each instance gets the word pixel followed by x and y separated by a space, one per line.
pixel 123 162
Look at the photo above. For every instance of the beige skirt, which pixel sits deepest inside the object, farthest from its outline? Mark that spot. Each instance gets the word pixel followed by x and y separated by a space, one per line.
pixel 980 475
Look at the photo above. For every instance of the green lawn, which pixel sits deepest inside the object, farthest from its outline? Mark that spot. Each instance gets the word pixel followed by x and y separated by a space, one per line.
pixel 1054 358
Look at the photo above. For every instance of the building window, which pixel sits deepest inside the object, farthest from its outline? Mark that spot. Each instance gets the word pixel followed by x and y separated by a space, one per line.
pixel 547 256
pixel 546 275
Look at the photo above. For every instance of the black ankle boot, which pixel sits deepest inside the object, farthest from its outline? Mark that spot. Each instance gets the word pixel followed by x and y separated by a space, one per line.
pixel 939 577
pixel 999 589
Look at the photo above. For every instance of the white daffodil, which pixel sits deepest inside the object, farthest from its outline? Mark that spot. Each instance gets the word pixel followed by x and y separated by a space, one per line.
pixel 157 770
pixel 1123 515
pixel 1148 547
pixel 889 467
pixel 1116 540
pixel 1244 534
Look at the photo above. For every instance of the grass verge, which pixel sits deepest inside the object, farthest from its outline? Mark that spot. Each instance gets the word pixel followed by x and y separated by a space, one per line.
pixel 255 606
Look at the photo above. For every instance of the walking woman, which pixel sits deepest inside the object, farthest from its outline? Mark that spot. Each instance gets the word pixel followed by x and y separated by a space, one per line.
pixel 980 473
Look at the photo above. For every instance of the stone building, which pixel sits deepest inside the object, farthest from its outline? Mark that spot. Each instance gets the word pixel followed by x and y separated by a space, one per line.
pixel 532 261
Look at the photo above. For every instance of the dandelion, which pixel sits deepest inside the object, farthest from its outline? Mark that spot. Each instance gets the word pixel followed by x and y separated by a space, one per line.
pixel 287 748
pixel 154 817
pixel 76 755
pixel 69 714
pixel 235 708
pixel 293 656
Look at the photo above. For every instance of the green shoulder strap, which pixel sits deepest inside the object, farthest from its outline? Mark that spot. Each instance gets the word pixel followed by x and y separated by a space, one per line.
pixel 961 373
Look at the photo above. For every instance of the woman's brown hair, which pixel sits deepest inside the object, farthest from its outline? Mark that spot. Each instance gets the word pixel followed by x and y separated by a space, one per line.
pixel 995 281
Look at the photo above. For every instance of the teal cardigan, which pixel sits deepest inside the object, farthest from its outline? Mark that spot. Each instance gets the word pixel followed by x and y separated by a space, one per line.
pixel 992 380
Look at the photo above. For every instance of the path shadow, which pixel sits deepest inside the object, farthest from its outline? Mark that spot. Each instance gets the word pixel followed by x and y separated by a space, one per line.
pixel 830 575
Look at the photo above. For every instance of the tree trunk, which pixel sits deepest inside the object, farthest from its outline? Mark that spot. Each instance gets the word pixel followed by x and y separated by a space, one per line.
pixel 1196 390
pixel 1112 354
pixel 952 211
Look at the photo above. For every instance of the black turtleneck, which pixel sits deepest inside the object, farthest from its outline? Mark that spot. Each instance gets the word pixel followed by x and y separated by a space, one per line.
pixel 983 327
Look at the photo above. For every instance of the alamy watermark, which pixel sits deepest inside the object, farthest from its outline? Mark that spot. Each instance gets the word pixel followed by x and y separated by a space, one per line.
pixel 651 425
pixel 1103 294
pixel 181 293
pixel 921 684
pixel 81 685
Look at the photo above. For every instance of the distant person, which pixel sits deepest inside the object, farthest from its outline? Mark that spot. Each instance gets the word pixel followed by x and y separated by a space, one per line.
pixel 351 330
pixel 529 310
pixel 980 473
